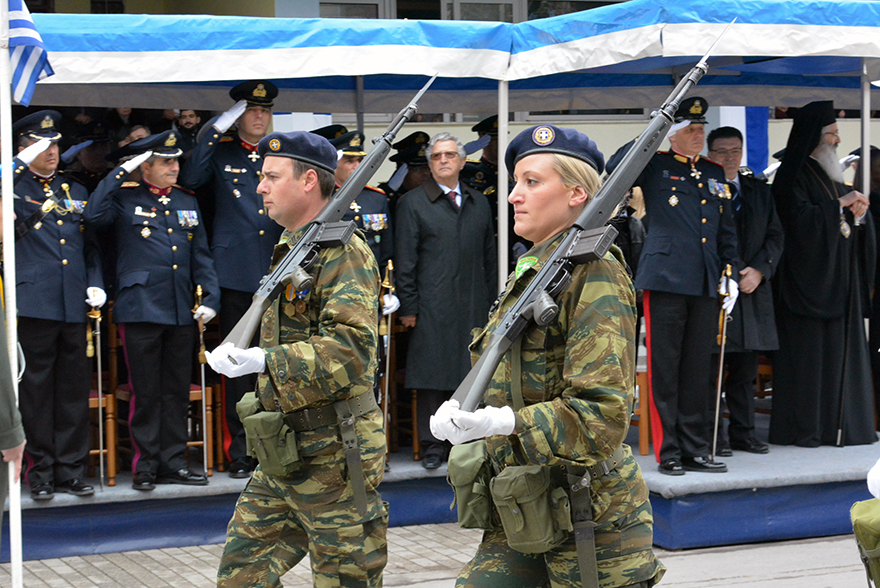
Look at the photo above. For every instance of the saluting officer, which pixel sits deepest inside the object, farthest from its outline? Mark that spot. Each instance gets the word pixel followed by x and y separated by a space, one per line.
pixel 163 254
pixel 243 236
pixel 57 263
pixel 412 167
pixel 691 239
pixel 370 209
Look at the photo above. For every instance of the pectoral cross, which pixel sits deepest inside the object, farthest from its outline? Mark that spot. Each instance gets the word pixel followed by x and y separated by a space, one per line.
pixel 253 156
pixel 695 173
pixel 164 200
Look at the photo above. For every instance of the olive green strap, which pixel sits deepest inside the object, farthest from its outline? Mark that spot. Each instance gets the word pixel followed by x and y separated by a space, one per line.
pixel 516 374
pixel 352 454
pixel 584 533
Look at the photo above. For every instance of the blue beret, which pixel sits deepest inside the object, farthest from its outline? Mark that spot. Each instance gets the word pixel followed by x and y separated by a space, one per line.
pixel 39 125
pixel 551 139
pixel 165 145
pixel 302 146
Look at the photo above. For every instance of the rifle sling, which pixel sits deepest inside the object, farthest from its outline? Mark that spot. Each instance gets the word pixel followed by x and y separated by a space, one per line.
pixel 23 227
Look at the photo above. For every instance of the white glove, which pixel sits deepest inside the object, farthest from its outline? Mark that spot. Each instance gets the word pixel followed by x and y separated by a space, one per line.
pixel 233 362
pixel 95 297
pixel 732 295
pixel 133 163
pixel 874 480
pixel 225 120
pixel 29 153
pixel 205 313
pixel 459 426
pixel 390 304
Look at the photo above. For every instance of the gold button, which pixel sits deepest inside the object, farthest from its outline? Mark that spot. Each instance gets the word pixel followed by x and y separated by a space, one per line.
pixel 673 188
pixel 146 222
pixel 704 221
pixel 700 185
pixel 235 180
pixel 170 230
pixel 703 201
pixel 60 222
pixel 174 248
pixel 167 212
pixel 210 143
pixel 63 262
pixel 704 239
pixel 63 241
pixel 261 211
pixel 174 266
pixel 262 232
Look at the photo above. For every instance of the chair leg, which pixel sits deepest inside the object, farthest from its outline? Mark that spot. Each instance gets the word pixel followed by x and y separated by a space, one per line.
pixel 644 413
pixel 219 415
pixel 208 431
pixel 110 436
pixel 417 448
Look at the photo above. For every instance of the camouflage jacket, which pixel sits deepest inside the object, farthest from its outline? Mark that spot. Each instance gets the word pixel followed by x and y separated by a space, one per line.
pixel 578 389
pixel 320 345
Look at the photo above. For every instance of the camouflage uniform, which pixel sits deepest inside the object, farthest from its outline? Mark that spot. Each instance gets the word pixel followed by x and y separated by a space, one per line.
pixel 320 348
pixel 577 385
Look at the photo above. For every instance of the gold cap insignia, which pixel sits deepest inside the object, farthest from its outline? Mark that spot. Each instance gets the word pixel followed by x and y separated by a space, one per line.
pixel 171 141
pixel 355 141
pixel 421 139
pixel 274 144
pixel 697 108
pixel 543 136
pixel 422 152
pixel 260 91
pixel 48 123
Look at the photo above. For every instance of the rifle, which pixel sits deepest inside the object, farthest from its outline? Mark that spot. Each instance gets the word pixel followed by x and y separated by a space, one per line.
pixel 588 239
pixel 324 231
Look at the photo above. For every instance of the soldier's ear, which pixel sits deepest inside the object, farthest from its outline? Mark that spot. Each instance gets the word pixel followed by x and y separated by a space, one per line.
pixel 578 197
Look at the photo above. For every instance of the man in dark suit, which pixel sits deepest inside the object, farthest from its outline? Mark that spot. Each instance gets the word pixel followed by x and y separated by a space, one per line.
pixel 446 280
pixel 163 255
pixel 58 275
pixel 691 239
pixel 243 236
pixel 752 327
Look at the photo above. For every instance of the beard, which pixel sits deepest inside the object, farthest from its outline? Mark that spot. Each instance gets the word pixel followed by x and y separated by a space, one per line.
pixel 826 155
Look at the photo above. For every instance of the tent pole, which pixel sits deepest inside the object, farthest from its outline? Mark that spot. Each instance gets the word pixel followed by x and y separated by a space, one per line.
pixel 865 165
pixel 15 542
pixel 359 102
pixel 502 188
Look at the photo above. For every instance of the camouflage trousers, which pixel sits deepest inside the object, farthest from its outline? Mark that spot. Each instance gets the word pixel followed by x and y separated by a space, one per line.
pixel 280 519
pixel 496 565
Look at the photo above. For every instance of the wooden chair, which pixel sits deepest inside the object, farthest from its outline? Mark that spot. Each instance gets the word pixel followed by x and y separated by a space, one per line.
pixel 642 413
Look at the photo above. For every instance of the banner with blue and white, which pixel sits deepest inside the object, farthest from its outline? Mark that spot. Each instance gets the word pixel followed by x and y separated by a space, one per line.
pixel 30 62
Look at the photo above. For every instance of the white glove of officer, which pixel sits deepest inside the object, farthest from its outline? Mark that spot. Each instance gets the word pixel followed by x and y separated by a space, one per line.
pixel 732 295
pixel 390 304
pixel 225 120
pixel 30 153
pixel 205 313
pixel 135 162
pixel 233 362
pixel 874 480
pixel 95 297
pixel 458 426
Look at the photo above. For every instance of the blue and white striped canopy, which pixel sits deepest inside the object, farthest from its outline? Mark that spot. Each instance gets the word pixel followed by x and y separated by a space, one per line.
pixel 779 52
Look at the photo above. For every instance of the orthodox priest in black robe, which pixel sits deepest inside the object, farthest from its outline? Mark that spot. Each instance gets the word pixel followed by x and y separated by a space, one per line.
pixel 822 390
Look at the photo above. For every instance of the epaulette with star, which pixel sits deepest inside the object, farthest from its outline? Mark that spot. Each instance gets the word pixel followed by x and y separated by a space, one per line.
pixel 130 184
pixel 184 190
pixel 375 189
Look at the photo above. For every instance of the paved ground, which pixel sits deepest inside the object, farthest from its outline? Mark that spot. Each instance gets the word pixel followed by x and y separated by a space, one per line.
pixel 430 556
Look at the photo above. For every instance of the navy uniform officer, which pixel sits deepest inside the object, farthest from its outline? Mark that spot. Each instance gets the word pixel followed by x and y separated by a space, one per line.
pixel 243 236
pixel 163 254
pixel 412 167
pixel 57 264
pixel 691 238
pixel 370 209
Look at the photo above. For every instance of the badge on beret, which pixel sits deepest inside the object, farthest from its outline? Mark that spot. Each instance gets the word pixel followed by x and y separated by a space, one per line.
pixel 274 144
pixel 543 136
pixel 673 200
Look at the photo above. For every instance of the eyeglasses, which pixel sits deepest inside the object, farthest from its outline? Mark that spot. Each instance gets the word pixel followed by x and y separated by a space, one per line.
pixel 447 154
pixel 726 152
pixel 834 134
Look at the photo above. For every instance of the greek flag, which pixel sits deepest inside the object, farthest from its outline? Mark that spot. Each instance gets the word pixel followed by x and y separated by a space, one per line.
pixel 30 62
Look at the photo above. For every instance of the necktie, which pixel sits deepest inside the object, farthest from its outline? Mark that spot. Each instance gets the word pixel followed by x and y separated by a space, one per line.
pixel 452 196
pixel 735 200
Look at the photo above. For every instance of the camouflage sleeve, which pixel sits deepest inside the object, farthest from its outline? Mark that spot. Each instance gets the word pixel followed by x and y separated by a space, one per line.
pixel 338 358
pixel 589 419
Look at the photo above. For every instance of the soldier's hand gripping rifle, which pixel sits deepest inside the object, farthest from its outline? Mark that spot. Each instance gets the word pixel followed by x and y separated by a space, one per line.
pixel 587 239
pixel 324 231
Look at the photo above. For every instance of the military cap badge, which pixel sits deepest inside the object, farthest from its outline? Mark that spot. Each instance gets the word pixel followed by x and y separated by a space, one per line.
pixel 171 141
pixel 260 91
pixel 697 108
pixel 355 141
pixel 48 123
pixel 274 144
pixel 543 135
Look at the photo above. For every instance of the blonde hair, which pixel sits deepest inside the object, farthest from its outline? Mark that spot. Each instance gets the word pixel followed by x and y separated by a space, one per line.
pixel 576 172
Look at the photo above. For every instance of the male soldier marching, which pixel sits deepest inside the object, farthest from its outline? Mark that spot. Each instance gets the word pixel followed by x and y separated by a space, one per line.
pixel 243 235
pixel 316 360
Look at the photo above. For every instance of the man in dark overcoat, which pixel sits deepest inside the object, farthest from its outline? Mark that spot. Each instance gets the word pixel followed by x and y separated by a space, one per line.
pixel 446 280
pixel 752 327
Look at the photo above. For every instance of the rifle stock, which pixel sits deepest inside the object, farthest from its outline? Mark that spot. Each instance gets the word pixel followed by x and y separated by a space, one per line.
pixel 325 230
pixel 555 275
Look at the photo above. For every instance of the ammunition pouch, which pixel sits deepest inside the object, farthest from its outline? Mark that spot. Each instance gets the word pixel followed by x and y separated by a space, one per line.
pixel 536 516
pixel 272 442
pixel 469 473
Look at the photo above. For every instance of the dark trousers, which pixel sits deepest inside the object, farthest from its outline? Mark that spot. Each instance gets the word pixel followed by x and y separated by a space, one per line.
pixel 233 305
pixel 739 393
pixel 160 366
pixel 54 399
pixel 680 330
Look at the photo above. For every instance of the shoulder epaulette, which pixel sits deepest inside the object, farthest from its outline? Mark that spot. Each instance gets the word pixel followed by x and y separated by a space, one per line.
pixel 184 190
pixel 225 139
pixel 472 161
pixel 130 184
pixel 375 189
pixel 746 171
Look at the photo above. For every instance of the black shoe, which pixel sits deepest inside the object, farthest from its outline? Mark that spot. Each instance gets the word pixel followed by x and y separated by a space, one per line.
pixel 76 487
pixel 751 445
pixel 183 476
pixel 144 481
pixel 242 467
pixel 724 451
pixel 671 467
pixel 702 464
pixel 44 491
pixel 433 457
